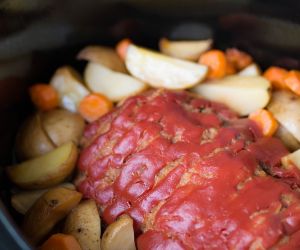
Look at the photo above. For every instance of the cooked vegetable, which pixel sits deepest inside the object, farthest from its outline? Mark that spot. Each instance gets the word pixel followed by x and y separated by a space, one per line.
pixel 69 86
pixel 103 55
pixel 291 159
pixel 230 69
pixel 61 242
pixel 238 58
pixel 94 106
pixel 45 171
pixel 276 76
pixel 187 50
pixel 119 235
pixel 216 62
pixel 122 47
pixel 285 106
pixel 31 140
pixel 62 126
pixel 287 138
pixel 22 201
pixel 292 81
pixel 251 70
pixel 116 86
pixel 162 71
pixel 265 120
pixel 49 209
pixel 85 225
pixel 44 96
pixel 244 94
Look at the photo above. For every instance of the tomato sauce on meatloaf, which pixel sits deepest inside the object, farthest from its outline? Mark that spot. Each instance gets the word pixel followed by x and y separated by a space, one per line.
pixel 191 174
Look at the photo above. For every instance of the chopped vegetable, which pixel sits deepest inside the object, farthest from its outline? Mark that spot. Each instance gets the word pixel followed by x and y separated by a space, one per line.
pixel 122 47
pixel 94 106
pixel 216 62
pixel 61 242
pixel 44 96
pixel 251 70
pixel 230 69
pixel 265 120
pixel 239 59
pixel 292 81
pixel 276 76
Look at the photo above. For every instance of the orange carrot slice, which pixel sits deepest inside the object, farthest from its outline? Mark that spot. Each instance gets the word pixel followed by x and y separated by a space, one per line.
pixel 276 76
pixel 44 96
pixel 265 120
pixel 61 242
pixel 94 106
pixel 122 47
pixel 292 81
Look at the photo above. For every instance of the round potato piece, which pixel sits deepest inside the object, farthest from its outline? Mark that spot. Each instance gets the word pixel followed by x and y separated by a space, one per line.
pixel 85 225
pixel 119 235
pixel 287 138
pixel 62 126
pixel 32 140
pixel 103 55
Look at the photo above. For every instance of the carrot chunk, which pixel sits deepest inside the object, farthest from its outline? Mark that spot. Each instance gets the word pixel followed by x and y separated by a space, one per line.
pixel 276 76
pixel 265 120
pixel 216 62
pixel 238 58
pixel 122 47
pixel 44 96
pixel 292 81
pixel 94 106
pixel 61 242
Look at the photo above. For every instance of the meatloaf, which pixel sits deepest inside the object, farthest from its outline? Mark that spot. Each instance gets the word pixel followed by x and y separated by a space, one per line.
pixel 191 174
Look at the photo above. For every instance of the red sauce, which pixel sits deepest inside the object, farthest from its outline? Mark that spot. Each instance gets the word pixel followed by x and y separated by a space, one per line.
pixel 191 174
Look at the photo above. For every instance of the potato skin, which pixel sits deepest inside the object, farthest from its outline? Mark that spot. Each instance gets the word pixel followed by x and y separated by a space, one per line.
pixel 62 126
pixel 49 209
pixel 32 140
pixel 85 225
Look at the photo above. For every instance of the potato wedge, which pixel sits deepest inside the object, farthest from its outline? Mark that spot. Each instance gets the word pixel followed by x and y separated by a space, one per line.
pixel 287 138
pixel 49 209
pixel 116 86
pixel 187 50
pixel 69 86
pixel 85 225
pixel 251 70
pixel 23 201
pixel 31 140
pixel 45 171
pixel 119 235
pixel 291 160
pixel 62 126
pixel 163 71
pixel 244 94
pixel 103 55
pixel 285 107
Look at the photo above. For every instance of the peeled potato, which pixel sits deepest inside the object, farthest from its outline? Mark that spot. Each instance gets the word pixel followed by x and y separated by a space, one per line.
pixel 69 86
pixel 62 126
pixel 285 107
pixel 251 70
pixel 45 171
pixel 49 209
pixel 187 50
pixel 244 94
pixel 291 160
pixel 23 201
pixel 31 139
pixel 119 235
pixel 103 55
pixel 114 85
pixel 163 71
pixel 287 138
pixel 85 225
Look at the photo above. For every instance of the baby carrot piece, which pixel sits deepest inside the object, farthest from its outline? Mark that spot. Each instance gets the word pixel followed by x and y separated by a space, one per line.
pixel 44 96
pixel 276 76
pixel 94 106
pixel 230 69
pixel 265 120
pixel 216 62
pixel 292 81
pixel 238 58
pixel 122 47
pixel 61 242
